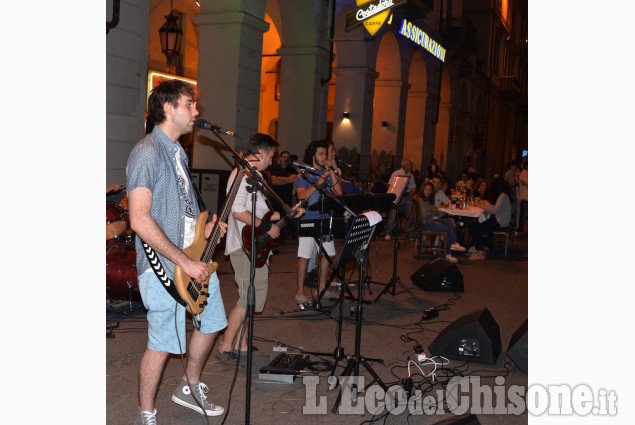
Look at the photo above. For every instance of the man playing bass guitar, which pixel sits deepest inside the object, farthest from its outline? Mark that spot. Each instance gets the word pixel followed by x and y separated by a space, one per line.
pixel 163 214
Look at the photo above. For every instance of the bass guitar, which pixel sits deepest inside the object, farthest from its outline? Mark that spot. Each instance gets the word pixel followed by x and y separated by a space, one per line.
pixel 264 243
pixel 195 294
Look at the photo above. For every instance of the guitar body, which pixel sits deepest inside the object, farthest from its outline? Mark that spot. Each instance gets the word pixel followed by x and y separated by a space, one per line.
pixel 193 293
pixel 264 243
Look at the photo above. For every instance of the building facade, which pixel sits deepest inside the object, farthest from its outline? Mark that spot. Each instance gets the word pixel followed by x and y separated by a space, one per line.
pixel 444 79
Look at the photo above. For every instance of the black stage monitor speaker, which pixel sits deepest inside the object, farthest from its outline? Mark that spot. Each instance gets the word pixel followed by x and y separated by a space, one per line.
pixel 460 420
pixel 474 337
pixel 439 275
pixel 517 350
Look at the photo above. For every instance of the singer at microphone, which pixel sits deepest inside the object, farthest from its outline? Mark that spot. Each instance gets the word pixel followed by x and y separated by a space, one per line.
pixel 316 156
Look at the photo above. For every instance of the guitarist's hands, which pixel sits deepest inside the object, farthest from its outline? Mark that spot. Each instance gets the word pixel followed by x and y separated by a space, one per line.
pixel 195 269
pixel 299 210
pixel 274 232
pixel 210 225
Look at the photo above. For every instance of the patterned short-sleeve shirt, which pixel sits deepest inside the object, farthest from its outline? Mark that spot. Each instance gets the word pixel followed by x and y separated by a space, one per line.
pixel 152 164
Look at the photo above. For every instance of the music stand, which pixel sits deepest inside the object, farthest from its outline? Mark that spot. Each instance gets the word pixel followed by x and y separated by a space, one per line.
pixel 358 204
pixel 398 186
pixel 357 240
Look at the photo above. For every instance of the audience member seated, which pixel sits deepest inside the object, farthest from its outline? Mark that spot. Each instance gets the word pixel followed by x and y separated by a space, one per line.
pixel 481 190
pixel 349 186
pixel 440 198
pixel 464 183
pixel 430 221
pixel 500 210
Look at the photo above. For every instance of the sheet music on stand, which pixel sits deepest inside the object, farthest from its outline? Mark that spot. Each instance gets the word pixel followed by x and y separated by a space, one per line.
pixel 398 187
pixel 358 237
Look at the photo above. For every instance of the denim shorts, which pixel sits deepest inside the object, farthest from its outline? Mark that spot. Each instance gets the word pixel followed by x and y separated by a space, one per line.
pixel 162 335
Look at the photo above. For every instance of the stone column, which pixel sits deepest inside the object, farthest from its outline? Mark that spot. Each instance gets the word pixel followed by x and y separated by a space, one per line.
pixel 230 58
pixel 303 99
pixel 354 93
pixel 413 135
pixel 391 98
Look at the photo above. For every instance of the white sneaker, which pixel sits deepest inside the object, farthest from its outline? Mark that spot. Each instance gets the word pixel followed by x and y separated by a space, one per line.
pixel 457 247
pixel 472 250
pixel 301 299
pixel 451 259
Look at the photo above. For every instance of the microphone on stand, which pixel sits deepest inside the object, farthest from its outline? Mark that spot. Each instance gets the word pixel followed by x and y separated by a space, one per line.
pixel 206 125
pixel 342 163
pixel 306 167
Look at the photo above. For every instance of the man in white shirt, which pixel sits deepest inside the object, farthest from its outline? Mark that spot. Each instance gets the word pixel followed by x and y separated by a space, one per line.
pixel 234 343
pixel 405 206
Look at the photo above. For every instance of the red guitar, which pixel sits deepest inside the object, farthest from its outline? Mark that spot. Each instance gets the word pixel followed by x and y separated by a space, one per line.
pixel 264 243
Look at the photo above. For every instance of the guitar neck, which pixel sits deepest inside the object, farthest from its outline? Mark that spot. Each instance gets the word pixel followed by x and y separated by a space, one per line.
pixel 208 253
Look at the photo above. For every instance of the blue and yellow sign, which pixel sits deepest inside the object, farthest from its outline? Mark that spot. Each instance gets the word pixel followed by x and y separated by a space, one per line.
pixel 418 36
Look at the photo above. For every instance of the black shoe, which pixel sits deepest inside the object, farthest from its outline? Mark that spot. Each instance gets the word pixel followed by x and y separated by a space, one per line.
pixel 254 353
pixel 229 358
pixel 312 276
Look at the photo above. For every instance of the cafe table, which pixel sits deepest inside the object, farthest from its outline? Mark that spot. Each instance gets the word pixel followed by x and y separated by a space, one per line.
pixel 462 217
pixel 470 211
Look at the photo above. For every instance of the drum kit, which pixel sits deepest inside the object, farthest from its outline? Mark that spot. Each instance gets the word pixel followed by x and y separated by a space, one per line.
pixel 121 257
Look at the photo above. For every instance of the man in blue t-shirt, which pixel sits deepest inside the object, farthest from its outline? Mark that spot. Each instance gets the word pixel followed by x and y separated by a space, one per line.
pixel 329 177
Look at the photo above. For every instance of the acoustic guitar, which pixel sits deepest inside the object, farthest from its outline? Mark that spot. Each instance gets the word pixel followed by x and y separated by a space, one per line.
pixel 195 294
pixel 264 243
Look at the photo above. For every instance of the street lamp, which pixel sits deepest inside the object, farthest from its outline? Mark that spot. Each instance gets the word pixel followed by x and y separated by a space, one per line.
pixel 170 35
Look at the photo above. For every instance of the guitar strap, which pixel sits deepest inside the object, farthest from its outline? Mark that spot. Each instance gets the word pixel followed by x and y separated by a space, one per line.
pixel 197 194
pixel 159 271
pixel 155 263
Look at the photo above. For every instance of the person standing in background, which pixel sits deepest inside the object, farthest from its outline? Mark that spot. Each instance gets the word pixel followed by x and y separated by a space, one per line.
pixel 523 197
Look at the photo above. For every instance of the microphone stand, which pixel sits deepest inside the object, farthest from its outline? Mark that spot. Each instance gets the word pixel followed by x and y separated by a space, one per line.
pixel 255 179
pixel 251 292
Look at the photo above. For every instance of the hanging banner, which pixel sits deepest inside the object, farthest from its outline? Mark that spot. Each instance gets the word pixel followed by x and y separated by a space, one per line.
pixel 373 14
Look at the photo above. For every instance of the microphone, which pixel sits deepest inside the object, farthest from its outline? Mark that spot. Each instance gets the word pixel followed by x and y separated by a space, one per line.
pixel 306 167
pixel 342 163
pixel 206 125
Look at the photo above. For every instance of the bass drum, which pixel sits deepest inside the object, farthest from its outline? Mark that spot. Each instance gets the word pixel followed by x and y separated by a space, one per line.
pixel 121 273
pixel 116 223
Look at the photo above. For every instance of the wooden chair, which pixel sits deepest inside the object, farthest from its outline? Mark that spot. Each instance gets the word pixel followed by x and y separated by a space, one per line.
pixel 425 240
